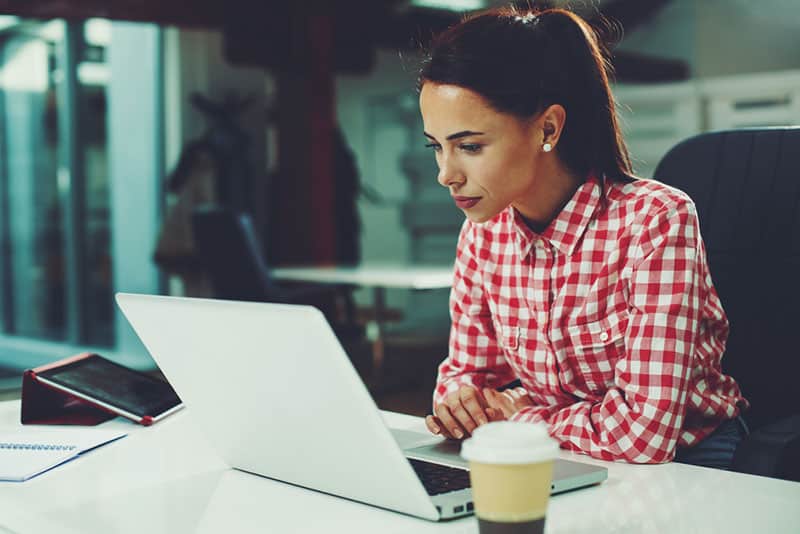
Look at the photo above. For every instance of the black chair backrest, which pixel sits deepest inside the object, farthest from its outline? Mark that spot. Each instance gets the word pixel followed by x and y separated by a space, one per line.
pixel 228 248
pixel 746 185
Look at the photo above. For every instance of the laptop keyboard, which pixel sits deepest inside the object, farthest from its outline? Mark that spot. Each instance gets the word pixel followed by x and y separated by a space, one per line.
pixel 439 479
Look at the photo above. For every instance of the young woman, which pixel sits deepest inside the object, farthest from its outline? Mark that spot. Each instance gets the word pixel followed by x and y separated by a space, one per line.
pixel 588 286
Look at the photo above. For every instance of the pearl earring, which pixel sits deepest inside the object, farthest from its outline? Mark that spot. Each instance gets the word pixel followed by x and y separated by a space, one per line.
pixel 547 147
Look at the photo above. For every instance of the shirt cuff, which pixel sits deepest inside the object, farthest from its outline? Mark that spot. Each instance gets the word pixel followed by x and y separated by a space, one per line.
pixel 531 414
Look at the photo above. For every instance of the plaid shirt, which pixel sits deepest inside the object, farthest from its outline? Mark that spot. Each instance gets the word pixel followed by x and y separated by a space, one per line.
pixel 608 317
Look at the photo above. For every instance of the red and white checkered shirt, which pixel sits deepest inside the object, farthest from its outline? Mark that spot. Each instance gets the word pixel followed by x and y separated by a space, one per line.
pixel 608 317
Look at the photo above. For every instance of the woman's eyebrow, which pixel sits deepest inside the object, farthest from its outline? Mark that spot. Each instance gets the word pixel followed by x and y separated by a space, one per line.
pixel 457 135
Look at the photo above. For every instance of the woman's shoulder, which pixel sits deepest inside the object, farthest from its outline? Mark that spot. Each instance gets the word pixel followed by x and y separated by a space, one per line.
pixel 646 195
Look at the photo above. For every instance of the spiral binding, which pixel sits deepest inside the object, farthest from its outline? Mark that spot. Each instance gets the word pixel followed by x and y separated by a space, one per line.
pixel 37 447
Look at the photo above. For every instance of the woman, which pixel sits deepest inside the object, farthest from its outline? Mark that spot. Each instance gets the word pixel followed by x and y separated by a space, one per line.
pixel 589 286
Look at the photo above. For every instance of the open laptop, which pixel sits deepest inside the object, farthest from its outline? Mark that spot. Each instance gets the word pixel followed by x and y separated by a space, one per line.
pixel 276 395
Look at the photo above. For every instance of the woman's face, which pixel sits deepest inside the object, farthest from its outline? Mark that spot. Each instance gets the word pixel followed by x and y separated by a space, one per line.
pixel 487 159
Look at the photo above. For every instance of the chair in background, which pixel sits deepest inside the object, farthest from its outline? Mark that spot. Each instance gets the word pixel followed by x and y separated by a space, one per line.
pixel 746 186
pixel 231 255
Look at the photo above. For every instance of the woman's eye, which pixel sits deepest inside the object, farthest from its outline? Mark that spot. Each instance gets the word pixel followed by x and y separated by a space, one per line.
pixel 435 146
pixel 471 148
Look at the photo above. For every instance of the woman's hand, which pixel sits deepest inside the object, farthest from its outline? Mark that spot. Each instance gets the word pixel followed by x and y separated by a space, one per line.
pixel 507 402
pixel 460 413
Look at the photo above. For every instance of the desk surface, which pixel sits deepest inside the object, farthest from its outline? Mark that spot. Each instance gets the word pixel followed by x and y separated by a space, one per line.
pixel 164 479
pixel 372 275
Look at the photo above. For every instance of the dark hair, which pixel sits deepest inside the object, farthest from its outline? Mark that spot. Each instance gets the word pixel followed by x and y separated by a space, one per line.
pixel 521 62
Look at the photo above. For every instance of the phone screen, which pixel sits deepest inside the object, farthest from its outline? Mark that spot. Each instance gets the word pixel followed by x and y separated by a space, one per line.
pixel 116 385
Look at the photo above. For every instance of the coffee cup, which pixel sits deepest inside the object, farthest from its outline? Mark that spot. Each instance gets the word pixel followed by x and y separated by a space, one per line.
pixel 511 471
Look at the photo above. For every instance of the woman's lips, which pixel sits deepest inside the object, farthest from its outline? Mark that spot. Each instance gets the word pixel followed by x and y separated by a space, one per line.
pixel 466 202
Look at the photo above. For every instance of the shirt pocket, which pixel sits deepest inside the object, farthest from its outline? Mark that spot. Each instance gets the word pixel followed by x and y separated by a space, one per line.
pixel 592 350
pixel 513 341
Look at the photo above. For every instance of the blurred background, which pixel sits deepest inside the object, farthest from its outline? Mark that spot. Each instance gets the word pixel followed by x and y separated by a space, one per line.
pixel 121 120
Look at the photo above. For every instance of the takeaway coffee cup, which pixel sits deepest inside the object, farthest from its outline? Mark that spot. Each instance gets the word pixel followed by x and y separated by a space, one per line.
pixel 511 469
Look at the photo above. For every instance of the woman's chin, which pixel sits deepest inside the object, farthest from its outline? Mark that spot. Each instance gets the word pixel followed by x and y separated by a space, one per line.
pixel 478 216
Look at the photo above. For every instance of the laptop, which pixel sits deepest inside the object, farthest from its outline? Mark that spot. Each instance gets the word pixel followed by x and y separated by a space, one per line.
pixel 276 395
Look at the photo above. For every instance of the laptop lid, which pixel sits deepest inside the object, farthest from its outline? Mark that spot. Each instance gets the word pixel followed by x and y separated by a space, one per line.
pixel 276 395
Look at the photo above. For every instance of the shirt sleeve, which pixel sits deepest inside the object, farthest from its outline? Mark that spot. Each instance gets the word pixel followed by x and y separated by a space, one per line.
pixel 475 358
pixel 639 419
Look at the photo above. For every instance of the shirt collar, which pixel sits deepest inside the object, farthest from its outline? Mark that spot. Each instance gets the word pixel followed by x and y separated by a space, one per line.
pixel 565 231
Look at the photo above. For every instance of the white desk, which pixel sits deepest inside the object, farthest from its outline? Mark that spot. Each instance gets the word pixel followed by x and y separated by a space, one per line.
pixel 379 277
pixel 372 275
pixel 163 479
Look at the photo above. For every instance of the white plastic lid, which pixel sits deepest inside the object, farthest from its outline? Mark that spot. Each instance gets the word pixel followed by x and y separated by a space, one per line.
pixel 509 442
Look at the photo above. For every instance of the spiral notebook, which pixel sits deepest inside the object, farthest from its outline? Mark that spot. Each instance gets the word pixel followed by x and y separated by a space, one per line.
pixel 25 452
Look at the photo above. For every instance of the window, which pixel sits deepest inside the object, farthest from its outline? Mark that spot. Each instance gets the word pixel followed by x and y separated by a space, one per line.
pixel 63 149
pixel 32 226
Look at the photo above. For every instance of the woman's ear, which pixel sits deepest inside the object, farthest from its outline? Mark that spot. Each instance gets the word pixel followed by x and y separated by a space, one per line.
pixel 552 122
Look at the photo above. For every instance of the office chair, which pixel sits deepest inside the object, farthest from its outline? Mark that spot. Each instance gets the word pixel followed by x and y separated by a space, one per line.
pixel 746 186
pixel 230 253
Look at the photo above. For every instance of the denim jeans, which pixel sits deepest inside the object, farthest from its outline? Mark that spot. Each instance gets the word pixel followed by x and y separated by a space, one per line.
pixel 717 449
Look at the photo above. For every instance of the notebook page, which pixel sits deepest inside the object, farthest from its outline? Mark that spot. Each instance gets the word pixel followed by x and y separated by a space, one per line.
pixel 25 452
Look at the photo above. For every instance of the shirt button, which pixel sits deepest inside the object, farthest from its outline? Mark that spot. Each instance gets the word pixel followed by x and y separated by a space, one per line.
pixel 604 336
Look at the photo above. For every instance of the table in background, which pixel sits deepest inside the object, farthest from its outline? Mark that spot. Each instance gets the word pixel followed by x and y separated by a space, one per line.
pixel 379 277
pixel 165 479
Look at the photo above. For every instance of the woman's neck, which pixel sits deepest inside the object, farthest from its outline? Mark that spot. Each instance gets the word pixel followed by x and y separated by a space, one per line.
pixel 550 192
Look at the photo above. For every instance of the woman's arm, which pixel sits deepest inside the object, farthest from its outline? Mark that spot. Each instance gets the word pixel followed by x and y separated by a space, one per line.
pixel 640 418
pixel 475 358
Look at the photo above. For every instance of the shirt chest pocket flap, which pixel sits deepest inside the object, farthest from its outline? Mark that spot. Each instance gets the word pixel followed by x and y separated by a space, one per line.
pixel 592 349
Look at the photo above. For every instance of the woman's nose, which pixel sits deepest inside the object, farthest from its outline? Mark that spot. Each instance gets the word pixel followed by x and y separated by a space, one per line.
pixel 448 174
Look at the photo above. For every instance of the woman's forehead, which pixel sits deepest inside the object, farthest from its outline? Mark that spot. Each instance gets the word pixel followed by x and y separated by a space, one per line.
pixel 451 107
pixel 451 96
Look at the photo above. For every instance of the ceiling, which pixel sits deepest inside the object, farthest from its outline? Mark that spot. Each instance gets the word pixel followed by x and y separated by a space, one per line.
pixel 214 13
pixel 257 32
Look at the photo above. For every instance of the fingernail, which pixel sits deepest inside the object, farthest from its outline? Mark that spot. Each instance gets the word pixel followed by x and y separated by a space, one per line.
pixel 457 433
pixel 436 430
pixel 482 420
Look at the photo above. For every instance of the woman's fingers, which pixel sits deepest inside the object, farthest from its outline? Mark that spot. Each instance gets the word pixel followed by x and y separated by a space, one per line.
pixel 467 406
pixel 464 419
pixel 499 401
pixel 509 402
pixel 449 422
pixel 493 409
pixel 475 405
pixel 463 411
pixel 433 428
pixel 491 398
pixel 495 415
pixel 436 427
